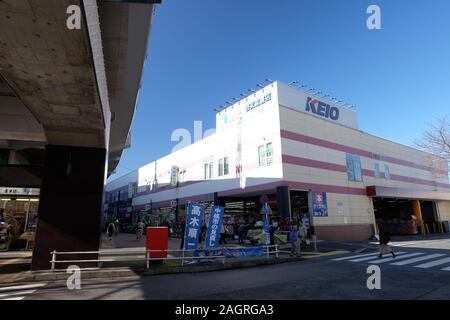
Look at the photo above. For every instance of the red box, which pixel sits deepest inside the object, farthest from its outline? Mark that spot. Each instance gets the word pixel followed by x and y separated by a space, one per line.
pixel 157 239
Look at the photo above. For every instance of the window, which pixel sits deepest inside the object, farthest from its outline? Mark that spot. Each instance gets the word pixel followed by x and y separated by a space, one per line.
pixel 387 174
pixel 376 170
pixel 209 170
pixel 269 154
pixel 265 155
pixel 354 171
pixel 223 166
pixel 220 167
pixel 262 156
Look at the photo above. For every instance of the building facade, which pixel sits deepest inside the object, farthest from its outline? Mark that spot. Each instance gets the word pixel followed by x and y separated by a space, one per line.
pixel 309 157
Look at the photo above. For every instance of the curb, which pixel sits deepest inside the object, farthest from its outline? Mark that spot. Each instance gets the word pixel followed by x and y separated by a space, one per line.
pixel 30 276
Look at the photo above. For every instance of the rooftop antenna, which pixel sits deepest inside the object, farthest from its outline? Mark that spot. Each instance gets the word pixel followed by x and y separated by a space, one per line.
pixel 302 86
pixel 251 90
pixel 259 85
pixel 269 80
pixel 292 82
pixel 311 89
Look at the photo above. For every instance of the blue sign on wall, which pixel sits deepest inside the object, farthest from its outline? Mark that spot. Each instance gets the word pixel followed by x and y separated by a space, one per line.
pixel 320 204
pixel 214 226
pixel 194 220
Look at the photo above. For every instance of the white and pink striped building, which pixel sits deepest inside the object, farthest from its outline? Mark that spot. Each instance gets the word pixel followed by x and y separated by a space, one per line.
pixel 287 144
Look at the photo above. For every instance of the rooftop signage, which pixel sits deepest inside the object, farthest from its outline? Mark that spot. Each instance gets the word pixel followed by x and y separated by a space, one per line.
pixel 322 109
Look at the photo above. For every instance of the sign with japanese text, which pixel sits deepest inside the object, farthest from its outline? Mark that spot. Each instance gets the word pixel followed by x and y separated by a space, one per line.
pixel 214 226
pixel 319 204
pixel 193 225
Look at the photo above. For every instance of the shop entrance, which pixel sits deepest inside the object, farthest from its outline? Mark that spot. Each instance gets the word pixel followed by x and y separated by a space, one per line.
pixel 397 215
pixel 299 205
pixel 18 219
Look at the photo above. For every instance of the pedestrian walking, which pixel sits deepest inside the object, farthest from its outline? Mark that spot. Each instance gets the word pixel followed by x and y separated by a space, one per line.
pixel 111 229
pixel 139 230
pixel 294 240
pixel 384 246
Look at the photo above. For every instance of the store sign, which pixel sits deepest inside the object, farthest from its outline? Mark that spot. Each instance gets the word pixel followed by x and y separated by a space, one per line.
pixel 214 226
pixel 173 176
pixel 320 204
pixel 19 191
pixel 194 219
pixel 322 109
pixel 258 102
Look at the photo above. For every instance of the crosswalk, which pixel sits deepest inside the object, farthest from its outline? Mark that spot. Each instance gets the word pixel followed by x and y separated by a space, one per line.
pixel 419 259
pixel 19 292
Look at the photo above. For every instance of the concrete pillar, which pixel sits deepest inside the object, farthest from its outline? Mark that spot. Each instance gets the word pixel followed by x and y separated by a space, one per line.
pixel 70 208
pixel 283 202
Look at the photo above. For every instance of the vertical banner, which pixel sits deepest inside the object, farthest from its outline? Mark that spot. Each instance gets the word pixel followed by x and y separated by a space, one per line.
pixel 193 225
pixel 266 210
pixel 319 204
pixel 214 226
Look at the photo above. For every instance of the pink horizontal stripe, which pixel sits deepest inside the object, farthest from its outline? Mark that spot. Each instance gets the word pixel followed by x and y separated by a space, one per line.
pixel 368 173
pixel 323 143
pixel 340 147
pixel 328 188
pixel 313 163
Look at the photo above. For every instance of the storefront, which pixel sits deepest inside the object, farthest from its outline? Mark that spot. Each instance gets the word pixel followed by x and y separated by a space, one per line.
pixel 399 216
pixel 18 213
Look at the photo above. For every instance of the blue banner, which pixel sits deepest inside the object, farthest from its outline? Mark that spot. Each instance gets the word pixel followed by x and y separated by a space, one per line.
pixel 214 226
pixel 231 252
pixel 320 204
pixel 194 219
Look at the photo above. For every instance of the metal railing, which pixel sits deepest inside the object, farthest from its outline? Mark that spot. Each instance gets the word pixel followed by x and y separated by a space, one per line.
pixel 170 254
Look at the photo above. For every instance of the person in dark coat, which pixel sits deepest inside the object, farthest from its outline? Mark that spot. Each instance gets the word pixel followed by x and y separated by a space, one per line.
pixel 272 235
pixel 384 240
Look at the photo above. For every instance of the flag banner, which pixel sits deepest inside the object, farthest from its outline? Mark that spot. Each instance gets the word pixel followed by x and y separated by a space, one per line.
pixel 193 225
pixel 214 226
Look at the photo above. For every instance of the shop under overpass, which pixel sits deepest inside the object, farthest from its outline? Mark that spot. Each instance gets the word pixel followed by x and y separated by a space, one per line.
pixel 67 99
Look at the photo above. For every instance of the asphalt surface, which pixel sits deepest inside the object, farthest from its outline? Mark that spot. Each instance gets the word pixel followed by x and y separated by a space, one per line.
pixel 420 271
pixel 320 278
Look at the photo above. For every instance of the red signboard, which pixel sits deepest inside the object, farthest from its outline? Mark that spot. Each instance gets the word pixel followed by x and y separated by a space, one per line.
pixel 157 239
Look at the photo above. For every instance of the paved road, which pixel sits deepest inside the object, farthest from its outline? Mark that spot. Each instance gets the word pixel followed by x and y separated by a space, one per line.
pixel 416 273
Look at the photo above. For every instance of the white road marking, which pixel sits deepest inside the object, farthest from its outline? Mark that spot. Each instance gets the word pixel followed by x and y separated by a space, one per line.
pixel 369 258
pixel 357 256
pixel 19 292
pixel 433 263
pixel 446 269
pixel 26 286
pixel 409 261
pixel 392 258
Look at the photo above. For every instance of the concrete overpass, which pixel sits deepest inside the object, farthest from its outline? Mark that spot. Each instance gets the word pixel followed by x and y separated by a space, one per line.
pixel 67 100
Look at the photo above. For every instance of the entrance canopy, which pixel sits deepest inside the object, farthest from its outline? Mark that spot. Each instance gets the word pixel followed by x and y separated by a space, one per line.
pixel 388 192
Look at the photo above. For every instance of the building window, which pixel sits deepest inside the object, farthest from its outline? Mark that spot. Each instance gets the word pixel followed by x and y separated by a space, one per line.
pixel 262 155
pixel 209 167
pixel 265 155
pixel 220 167
pixel 354 171
pixel 269 154
pixel 387 174
pixel 223 166
pixel 376 170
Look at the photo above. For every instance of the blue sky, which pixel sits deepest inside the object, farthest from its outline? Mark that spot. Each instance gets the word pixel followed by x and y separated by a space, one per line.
pixel 204 52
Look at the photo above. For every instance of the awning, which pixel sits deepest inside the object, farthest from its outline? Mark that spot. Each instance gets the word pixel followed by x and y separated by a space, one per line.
pixel 389 192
